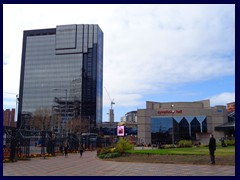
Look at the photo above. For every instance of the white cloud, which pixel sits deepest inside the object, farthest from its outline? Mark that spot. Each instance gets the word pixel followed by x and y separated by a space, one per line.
pixel 11 77
pixel 222 99
pixel 158 48
pixel 147 48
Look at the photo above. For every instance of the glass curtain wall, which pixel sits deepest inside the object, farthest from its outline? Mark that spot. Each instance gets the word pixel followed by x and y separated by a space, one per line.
pixel 185 128
pixel 62 73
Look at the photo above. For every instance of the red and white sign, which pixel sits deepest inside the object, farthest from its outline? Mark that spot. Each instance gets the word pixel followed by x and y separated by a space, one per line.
pixel 167 112
pixel 120 130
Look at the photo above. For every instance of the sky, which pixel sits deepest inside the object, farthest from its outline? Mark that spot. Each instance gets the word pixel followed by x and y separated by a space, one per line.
pixel 158 52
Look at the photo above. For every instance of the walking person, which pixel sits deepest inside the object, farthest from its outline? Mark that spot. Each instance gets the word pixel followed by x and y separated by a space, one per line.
pixel 212 148
pixel 66 146
pixel 81 149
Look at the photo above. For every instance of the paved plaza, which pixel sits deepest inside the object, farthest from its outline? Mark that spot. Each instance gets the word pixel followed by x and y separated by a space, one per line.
pixel 89 165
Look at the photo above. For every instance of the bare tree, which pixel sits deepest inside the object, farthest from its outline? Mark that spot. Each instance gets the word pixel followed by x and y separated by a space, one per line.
pixel 78 125
pixel 42 119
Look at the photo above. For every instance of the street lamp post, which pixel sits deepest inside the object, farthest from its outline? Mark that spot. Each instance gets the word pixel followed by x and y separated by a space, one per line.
pixel 88 139
pixel 89 119
pixel 172 124
pixel 16 111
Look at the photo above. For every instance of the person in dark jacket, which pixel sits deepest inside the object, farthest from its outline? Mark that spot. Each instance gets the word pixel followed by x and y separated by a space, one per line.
pixel 81 149
pixel 66 146
pixel 212 148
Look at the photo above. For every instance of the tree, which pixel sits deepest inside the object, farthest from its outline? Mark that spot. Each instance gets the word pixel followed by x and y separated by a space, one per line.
pixel 42 119
pixel 78 125
pixel 56 122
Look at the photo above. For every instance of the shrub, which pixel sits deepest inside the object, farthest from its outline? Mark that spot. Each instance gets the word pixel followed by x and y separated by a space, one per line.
pixel 230 142
pixel 6 160
pixel 168 146
pixel 109 155
pixel 111 152
pixel 105 150
pixel 123 145
pixel 185 143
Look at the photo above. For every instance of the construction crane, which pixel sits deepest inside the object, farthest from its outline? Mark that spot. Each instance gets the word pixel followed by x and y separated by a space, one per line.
pixel 111 113
pixel 111 100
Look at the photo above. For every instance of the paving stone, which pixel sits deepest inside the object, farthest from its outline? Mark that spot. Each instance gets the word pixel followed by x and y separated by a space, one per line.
pixel 89 165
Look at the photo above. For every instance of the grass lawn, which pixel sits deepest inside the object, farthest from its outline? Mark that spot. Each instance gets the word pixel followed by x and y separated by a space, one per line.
pixel 230 150
pixel 193 155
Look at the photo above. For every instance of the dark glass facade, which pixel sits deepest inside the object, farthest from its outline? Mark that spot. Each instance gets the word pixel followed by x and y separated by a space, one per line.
pixel 184 128
pixel 62 71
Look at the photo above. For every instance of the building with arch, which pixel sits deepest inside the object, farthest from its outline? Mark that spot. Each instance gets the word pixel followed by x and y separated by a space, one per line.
pixel 173 121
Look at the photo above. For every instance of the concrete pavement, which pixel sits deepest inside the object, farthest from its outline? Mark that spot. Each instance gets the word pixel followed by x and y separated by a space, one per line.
pixel 89 165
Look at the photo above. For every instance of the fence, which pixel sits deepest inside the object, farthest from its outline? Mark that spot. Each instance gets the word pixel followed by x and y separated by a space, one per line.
pixel 23 144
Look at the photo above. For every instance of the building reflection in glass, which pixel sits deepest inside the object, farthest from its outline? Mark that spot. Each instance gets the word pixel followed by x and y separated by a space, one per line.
pixel 185 128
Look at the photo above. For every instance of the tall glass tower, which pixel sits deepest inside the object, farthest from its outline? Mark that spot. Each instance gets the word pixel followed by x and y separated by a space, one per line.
pixel 62 72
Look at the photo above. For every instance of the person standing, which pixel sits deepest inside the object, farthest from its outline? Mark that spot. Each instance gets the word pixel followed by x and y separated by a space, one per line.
pixel 212 148
pixel 81 149
pixel 66 146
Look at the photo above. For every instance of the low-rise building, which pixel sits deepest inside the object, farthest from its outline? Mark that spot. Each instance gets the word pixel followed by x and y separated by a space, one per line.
pixel 8 118
pixel 231 107
pixel 173 121
pixel 130 117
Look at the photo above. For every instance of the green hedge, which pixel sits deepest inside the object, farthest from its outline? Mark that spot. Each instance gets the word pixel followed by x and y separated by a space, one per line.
pixel 105 150
pixel 111 152
pixel 123 145
pixel 185 143
pixel 168 146
pixel 109 155
pixel 229 142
